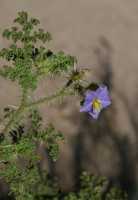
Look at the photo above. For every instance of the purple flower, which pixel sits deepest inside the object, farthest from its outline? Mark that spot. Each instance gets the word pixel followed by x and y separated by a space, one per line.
pixel 95 101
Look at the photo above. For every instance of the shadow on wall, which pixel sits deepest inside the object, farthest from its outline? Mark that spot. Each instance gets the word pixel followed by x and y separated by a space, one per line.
pixel 98 147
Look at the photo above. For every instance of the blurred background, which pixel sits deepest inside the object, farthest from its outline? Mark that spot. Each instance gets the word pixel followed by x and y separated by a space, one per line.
pixel 103 35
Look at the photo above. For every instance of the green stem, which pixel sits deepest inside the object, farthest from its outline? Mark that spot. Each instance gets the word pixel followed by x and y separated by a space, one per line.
pixel 24 97
pixel 61 92
pixel 6 146
pixel 15 115
pixel 24 106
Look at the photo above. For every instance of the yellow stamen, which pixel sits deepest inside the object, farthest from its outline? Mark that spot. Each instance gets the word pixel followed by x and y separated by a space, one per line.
pixel 96 104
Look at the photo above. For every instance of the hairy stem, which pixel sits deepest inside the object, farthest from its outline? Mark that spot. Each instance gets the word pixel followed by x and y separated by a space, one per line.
pixel 25 106
pixel 62 92
pixel 15 115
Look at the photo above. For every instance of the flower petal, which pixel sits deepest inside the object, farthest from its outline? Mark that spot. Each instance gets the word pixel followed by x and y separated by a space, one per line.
pixel 106 103
pixel 86 107
pixel 103 94
pixel 90 95
pixel 94 115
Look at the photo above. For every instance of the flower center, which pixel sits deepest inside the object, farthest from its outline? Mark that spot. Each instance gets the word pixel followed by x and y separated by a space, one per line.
pixel 96 104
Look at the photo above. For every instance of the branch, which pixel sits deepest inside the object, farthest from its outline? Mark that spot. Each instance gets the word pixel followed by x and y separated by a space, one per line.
pixel 24 106
pixel 62 92
pixel 15 115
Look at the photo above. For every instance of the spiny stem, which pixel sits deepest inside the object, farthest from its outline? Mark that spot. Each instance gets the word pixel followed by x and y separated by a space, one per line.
pixel 15 115
pixel 6 146
pixel 61 92
pixel 24 106
pixel 24 96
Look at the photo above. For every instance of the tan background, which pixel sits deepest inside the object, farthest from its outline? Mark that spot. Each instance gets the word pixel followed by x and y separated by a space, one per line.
pixel 103 35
